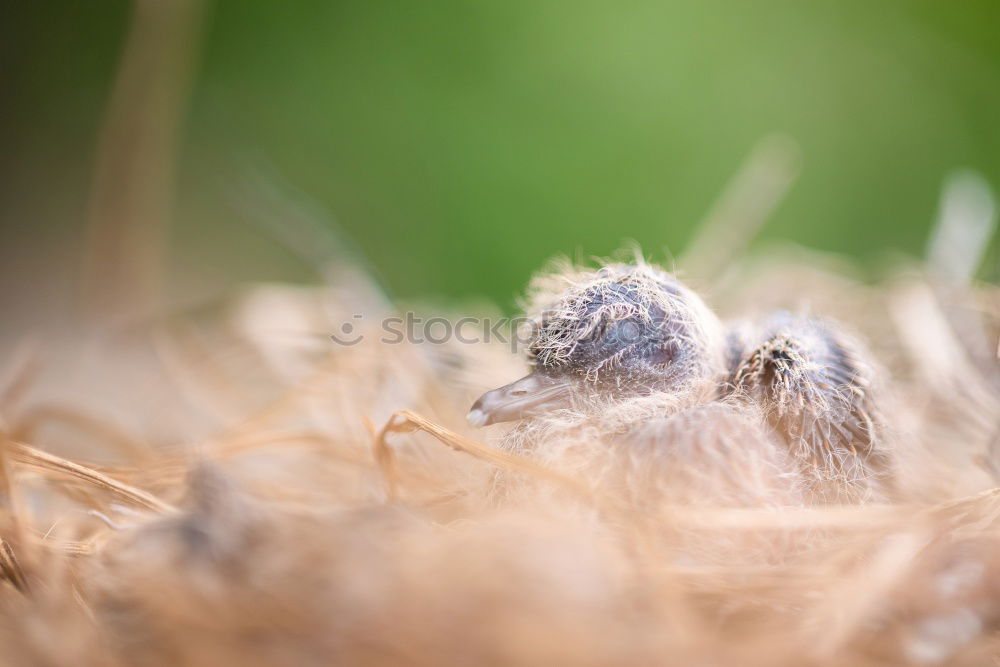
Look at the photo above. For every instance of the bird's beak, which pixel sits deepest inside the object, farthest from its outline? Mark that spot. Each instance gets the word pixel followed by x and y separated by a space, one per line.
pixel 531 395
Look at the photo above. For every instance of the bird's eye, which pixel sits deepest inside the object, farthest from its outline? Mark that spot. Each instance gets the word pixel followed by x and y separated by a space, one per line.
pixel 622 333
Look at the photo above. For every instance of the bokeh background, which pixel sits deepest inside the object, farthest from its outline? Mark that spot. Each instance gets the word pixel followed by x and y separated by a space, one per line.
pixel 458 144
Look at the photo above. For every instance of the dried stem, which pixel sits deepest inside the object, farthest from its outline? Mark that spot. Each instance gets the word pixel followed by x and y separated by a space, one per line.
pixel 27 455
pixel 406 421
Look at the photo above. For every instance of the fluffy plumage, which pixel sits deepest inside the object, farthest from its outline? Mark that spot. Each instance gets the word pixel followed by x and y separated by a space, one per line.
pixel 637 357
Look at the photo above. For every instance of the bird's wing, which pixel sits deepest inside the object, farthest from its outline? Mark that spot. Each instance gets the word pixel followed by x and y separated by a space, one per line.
pixel 815 390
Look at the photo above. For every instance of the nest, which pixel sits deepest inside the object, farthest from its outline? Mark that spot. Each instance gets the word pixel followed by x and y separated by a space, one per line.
pixel 259 498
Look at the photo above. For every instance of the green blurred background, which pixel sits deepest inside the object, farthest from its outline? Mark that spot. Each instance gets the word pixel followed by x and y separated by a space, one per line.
pixel 460 143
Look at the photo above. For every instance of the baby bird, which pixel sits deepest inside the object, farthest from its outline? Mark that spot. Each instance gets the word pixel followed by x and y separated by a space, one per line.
pixel 627 365
pixel 627 355
pixel 815 389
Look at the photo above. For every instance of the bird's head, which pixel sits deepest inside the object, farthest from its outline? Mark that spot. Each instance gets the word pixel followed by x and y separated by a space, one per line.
pixel 607 335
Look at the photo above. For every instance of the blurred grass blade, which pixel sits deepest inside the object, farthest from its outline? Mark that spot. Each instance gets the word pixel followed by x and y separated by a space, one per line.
pixel 746 203
pixel 129 212
pixel 966 221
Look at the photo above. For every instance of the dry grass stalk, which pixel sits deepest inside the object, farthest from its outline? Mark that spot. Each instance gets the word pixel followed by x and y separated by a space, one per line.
pixel 110 435
pixel 27 455
pixel 10 569
pixel 407 421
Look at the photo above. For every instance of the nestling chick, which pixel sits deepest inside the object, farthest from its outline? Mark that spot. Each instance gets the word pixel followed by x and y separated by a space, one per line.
pixel 627 366
pixel 814 386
